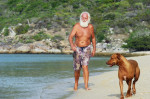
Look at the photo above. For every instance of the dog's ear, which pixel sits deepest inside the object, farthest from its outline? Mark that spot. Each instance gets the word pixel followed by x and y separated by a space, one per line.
pixel 118 56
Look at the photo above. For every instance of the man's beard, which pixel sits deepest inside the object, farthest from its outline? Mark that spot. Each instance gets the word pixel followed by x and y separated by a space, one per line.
pixel 84 24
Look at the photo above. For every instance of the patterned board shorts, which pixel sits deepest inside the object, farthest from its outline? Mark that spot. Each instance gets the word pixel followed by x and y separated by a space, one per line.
pixel 81 57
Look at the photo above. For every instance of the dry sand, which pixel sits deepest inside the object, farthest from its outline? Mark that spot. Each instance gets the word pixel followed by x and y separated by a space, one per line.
pixel 106 85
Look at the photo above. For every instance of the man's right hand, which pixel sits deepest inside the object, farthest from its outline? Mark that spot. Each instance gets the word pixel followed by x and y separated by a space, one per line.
pixel 73 48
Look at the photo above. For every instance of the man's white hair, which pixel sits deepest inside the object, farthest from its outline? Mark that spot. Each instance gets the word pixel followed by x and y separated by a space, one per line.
pixel 85 24
pixel 89 17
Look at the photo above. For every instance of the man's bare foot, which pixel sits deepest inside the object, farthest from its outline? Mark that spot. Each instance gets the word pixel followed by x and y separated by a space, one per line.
pixel 87 88
pixel 75 87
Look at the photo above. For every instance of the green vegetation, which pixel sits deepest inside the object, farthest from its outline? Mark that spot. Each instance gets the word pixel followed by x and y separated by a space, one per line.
pixel 139 43
pixel 139 40
pixel 6 32
pixel 105 14
pixel 26 40
pixel 67 33
pixel 57 38
pixel 40 36
pixel 22 29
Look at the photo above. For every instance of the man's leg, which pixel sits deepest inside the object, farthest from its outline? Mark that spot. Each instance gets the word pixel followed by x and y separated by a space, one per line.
pixel 76 75
pixel 86 76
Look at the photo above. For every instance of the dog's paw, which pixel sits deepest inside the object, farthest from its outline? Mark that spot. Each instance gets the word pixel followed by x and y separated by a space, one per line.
pixel 122 97
pixel 128 95
pixel 134 91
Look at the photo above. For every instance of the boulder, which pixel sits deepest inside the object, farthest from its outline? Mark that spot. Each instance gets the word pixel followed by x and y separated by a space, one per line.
pixel 3 30
pixel 23 49
pixel 12 33
pixel 4 50
pixel 67 51
pixel 34 20
pixel 118 30
pixel 131 14
pixel 54 50
pixel 111 30
pixel 39 25
pixel 37 50
pixel 99 47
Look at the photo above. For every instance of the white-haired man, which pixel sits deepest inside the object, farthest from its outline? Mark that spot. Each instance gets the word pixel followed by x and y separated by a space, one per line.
pixel 82 31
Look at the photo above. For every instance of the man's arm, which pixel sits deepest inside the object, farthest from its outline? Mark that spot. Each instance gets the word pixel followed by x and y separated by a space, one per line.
pixel 72 34
pixel 93 41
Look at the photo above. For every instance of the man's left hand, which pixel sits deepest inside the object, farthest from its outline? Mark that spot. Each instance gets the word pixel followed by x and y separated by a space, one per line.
pixel 93 53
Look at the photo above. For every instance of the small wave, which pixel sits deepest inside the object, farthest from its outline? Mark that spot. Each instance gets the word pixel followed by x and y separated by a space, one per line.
pixel 57 89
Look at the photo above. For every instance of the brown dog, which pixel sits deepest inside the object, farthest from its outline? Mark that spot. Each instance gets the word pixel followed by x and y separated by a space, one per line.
pixel 128 69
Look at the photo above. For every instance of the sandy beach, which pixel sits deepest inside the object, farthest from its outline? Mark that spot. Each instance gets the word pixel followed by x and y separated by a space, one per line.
pixel 106 85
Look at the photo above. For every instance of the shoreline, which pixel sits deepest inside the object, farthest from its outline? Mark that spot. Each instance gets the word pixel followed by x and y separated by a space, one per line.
pixel 106 85
pixel 97 54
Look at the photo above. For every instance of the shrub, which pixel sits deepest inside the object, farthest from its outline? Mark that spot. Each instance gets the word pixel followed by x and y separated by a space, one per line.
pixel 67 33
pixel 122 23
pixel 146 2
pixel 28 41
pixel 139 5
pixel 40 36
pixel 72 22
pixel 109 16
pixel 105 1
pixel 139 40
pixel 140 31
pixel 57 38
pixel 100 36
pixel 22 29
pixel 124 4
pixel 6 32
pixel 138 43
pixel 101 31
pixel 103 8
pixel 144 15
pixel 19 8
pixel 107 7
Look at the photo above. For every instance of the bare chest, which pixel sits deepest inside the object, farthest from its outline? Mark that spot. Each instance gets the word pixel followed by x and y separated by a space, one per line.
pixel 83 32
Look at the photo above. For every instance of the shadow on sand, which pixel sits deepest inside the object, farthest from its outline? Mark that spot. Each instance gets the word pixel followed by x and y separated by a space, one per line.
pixel 117 95
pixel 81 86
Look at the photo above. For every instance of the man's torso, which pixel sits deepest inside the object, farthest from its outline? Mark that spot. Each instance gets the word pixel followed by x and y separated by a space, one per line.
pixel 83 36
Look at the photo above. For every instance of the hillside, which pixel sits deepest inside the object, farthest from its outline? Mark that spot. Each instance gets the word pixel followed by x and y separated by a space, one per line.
pixel 26 22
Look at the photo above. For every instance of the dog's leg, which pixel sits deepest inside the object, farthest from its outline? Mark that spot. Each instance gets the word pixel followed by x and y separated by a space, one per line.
pixel 127 81
pixel 129 88
pixel 133 87
pixel 121 88
pixel 137 74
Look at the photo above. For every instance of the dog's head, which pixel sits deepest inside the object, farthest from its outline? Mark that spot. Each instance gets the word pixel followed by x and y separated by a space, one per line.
pixel 114 59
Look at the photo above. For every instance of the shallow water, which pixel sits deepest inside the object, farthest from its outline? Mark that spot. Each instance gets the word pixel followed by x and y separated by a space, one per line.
pixel 41 76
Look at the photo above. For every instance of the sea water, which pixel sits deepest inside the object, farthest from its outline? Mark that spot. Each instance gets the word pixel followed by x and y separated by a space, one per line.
pixel 41 76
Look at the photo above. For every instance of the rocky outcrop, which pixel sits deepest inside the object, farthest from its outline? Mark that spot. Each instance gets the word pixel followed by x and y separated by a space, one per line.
pixel 23 49
pixel 114 44
pixel 12 33
pixel 48 46
pixel 16 43
pixel 44 46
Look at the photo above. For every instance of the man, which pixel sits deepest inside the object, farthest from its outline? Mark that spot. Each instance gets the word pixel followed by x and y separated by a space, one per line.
pixel 82 31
